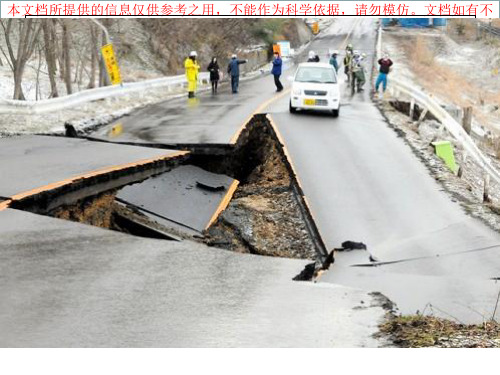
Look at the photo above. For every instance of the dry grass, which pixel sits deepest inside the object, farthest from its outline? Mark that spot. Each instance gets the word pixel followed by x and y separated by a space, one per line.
pixel 496 147
pixel 463 29
pixel 443 80
pixel 417 331
pixel 437 78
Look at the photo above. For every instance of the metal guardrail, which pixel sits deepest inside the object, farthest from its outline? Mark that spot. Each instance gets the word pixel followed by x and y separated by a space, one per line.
pixel 397 88
pixel 448 122
pixel 489 29
pixel 22 107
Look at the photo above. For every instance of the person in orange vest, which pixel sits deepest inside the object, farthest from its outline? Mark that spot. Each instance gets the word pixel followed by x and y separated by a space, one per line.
pixel 192 69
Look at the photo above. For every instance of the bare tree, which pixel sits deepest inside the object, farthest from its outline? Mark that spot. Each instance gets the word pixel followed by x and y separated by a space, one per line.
pixel 103 73
pixel 28 29
pixel 38 93
pixel 67 56
pixel 94 56
pixel 50 55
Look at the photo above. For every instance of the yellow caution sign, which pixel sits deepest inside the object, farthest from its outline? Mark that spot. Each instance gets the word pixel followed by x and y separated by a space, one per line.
pixel 315 27
pixel 111 64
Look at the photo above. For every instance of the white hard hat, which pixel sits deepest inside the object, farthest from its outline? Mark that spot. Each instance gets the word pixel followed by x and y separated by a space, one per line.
pixel 335 52
pixel 193 54
pixel 234 56
pixel 312 54
pixel 356 53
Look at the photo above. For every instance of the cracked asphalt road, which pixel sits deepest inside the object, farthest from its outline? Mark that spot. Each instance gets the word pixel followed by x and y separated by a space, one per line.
pixel 68 284
pixel 364 184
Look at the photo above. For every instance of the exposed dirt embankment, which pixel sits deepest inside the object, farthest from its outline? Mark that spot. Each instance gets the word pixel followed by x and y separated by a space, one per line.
pixel 96 211
pixel 265 216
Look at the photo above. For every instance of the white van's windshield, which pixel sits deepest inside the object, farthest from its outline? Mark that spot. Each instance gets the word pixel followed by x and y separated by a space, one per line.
pixel 316 75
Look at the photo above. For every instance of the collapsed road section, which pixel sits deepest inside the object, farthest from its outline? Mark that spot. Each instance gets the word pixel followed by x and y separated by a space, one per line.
pixel 244 198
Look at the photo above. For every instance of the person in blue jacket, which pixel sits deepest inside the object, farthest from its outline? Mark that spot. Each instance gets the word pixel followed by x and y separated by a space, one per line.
pixel 276 71
pixel 233 69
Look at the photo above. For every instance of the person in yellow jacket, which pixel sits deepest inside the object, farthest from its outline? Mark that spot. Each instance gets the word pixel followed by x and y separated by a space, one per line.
pixel 192 69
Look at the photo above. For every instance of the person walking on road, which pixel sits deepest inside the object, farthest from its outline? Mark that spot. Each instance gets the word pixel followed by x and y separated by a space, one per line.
pixel 214 70
pixel 334 62
pixel 234 70
pixel 385 65
pixel 192 69
pixel 276 71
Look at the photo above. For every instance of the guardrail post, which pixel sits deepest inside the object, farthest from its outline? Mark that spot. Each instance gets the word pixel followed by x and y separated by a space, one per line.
pixel 422 115
pixel 462 165
pixel 486 191
pixel 467 119
pixel 412 108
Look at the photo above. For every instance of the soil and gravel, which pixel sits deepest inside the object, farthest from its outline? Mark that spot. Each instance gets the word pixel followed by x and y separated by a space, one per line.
pixel 264 216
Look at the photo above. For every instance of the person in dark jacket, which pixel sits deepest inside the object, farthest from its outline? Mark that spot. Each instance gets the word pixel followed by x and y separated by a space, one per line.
pixel 385 66
pixel 214 70
pixel 233 69
pixel 313 57
pixel 333 60
pixel 276 71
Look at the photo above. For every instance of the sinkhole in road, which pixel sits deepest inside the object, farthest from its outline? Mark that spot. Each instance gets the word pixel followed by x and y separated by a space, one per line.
pixel 266 214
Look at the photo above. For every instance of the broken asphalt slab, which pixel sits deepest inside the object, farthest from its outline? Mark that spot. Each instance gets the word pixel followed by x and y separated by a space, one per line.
pixel 185 197
pixel 65 284
pixel 32 164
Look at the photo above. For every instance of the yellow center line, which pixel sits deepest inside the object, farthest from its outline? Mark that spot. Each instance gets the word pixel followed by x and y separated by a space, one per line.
pixel 268 102
pixel 259 109
pixel 224 203
pixel 5 204
pixel 344 43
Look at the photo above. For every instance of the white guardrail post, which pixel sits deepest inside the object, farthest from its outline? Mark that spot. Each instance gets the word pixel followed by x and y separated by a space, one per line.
pixel 429 104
